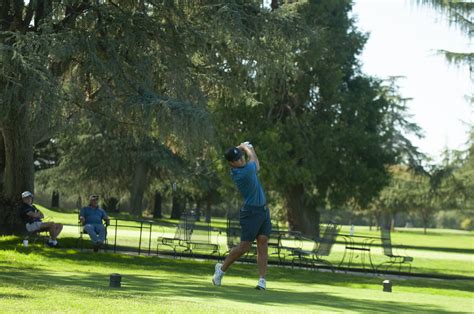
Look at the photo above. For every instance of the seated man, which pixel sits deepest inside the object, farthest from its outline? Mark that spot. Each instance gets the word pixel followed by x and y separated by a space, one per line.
pixel 32 217
pixel 91 217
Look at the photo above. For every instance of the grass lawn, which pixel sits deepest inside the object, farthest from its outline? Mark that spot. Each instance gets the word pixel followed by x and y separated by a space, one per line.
pixel 448 252
pixel 38 279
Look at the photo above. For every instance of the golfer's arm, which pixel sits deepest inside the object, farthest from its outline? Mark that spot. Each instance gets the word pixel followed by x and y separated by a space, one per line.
pixel 252 156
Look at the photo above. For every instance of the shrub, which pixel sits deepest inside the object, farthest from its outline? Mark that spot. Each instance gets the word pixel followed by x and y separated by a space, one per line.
pixel 450 219
pixel 467 224
pixel 111 204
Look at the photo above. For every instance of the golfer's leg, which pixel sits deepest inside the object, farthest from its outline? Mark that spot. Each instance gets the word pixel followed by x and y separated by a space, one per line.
pixel 235 253
pixel 262 254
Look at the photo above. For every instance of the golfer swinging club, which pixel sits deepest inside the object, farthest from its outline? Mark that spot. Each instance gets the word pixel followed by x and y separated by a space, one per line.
pixel 254 214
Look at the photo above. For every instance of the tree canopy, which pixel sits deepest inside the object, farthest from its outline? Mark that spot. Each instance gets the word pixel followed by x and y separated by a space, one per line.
pixel 130 92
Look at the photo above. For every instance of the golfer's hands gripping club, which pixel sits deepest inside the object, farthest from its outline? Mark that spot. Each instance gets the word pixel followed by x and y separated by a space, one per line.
pixel 250 152
pixel 246 145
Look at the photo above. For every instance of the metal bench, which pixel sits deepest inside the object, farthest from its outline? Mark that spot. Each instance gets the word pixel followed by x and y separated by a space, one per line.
pixel 357 246
pixel 399 260
pixel 320 249
pixel 181 237
pixel 201 239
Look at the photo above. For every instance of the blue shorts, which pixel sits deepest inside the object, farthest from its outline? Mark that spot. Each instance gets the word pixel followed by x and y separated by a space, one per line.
pixel 254 220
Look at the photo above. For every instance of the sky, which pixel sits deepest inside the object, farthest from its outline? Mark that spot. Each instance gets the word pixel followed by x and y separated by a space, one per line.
pixel 404 39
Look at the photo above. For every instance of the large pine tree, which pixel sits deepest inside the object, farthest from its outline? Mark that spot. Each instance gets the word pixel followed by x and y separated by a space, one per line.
pixel 324 132
pixel 65 61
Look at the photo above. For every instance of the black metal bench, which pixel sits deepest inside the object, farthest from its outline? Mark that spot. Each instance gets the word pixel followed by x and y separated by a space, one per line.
pixel 320 249
pixel 399 260
pixel 201 239
pixel 355 246
pixel 181 237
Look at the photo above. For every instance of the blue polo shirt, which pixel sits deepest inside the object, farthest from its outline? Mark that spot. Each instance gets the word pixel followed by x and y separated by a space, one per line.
pixel 248 184
pixel 93 215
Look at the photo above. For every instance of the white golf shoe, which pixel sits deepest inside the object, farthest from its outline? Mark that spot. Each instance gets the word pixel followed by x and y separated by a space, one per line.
pixel 262 284
pixel 218 274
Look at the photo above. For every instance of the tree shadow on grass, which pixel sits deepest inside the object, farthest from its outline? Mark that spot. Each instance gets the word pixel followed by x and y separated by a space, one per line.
pixel 193 287
pixel 342 280
pixel 71 243
pixel 185 267
pixel 12 296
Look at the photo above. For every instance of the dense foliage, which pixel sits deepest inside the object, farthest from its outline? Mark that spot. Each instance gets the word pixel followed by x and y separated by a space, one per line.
pixel 125 97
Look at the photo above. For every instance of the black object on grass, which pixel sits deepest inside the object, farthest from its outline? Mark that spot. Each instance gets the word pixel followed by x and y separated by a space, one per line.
pixel 387 286
pixel 115 280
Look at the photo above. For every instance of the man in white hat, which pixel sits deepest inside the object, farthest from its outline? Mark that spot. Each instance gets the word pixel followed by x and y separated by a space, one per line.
pixel 32 217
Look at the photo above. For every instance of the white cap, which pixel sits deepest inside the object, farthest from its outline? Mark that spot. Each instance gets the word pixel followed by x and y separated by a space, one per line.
pixel 26 194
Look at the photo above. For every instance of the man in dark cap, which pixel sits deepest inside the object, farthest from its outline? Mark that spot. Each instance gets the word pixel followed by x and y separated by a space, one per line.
pixel 254 214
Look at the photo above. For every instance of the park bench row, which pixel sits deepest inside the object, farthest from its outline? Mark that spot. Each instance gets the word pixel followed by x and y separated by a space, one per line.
pixel 287 247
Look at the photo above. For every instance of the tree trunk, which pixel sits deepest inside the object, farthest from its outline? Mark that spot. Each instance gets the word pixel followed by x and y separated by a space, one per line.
pixel 138 188
pixel 184 204
pixel 198 210
pixel 55 199
pixel 378 219
pixel 18 173
pixel 157 205
pixel 79 202
pixel 176 207
pixel 274 4
pixel 425 218
pixel 385 219
pixel 2 161
pixel 208 208
pixel 301 216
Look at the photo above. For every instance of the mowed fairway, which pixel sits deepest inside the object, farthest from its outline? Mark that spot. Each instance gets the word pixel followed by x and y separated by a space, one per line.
pixel 45 280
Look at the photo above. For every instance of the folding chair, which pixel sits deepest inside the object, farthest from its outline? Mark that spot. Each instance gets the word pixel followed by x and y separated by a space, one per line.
pixel 320 249
pixel 201 240
pixel 181 237
pixel 39 236
pixel 388 251
pixel 83 232
pixel 35 236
